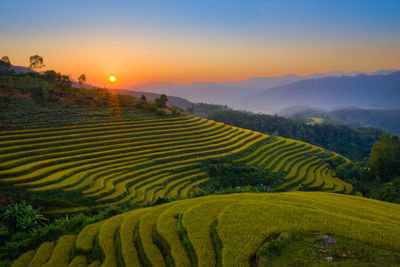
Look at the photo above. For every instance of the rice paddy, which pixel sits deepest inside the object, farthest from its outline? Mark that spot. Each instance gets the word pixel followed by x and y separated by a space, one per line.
pixel 137 162
pixel 219 230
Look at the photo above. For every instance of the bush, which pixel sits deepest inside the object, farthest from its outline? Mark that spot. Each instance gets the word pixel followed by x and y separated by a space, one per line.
pixel 6 99
pixel 389 192
pixel 16 243
pixel 22 217
pixel 335 162
pixel 229 177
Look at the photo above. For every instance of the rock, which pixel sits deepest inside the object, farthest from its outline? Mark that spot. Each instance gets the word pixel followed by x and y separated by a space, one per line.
pixel 328 240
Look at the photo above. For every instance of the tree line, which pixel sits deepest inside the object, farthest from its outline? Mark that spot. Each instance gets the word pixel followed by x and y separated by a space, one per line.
pixel 51 85
pixel 375 171
pixel 352 143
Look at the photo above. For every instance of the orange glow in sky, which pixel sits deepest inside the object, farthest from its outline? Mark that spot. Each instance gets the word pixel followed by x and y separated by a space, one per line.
pixel 190 41
pixel 186 63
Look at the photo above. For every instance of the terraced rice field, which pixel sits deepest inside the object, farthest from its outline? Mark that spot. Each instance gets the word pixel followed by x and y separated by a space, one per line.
pixel 139 161
pixel 223 230
pixel 303 166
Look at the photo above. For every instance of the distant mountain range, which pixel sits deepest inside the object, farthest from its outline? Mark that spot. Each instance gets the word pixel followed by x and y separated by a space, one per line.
pixel 376 90
pixel 18 69
pixel 269 94
pixel 367 91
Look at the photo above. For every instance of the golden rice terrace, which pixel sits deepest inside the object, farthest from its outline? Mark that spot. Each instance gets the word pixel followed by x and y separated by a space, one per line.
pixel 227 230
pixel 136 162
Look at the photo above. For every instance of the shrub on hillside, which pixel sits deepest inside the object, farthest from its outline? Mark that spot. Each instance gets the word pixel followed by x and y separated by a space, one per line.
pixel 226 176
pixel 22 217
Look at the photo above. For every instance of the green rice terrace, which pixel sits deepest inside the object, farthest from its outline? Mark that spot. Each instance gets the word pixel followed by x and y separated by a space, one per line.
pixel 248 229
pixel 137 162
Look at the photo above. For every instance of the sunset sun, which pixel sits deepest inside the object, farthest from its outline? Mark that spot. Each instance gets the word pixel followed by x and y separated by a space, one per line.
pixel 112 78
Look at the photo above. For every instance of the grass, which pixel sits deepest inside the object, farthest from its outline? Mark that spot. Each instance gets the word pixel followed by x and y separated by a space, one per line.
pixel 287 146
pixel 129 162
pixel 281 229
pixel 197 221
pixel 283 217
pixel 190 186
pixel 166 227
pixel 282 155
pixel 291 157
pixel 24 259
pixel 42 254
pixel 266 153
pixel 71 144
pixel 183 236
pixel 127 234
pixel 86 238
pixel 312 249
pixel 175 189
pixel 146 225
pixel 258 151
pixel 108 239
pixel 79 261
pixel 62 252
pixel 316 120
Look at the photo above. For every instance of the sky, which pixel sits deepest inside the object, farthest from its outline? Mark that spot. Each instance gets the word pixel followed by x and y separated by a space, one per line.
pixel 184 41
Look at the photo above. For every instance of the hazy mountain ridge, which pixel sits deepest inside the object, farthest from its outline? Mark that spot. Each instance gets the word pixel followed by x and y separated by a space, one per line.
pixel 17 69
pixel 234 93
pixel 368 91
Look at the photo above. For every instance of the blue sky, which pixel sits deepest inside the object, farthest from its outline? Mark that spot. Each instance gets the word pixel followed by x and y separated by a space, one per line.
pixel 202 26
pixel 235 17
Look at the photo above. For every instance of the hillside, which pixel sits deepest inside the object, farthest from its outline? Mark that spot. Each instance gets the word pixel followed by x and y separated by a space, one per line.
pixel 92 153
pixel 367 91
pixel 353 143
pixel 233 93
pixel 389 120
pixel 137 162
pixel 204 109
pixel 33 100
pixel 283 229
pixel 386 119
pixel 172 100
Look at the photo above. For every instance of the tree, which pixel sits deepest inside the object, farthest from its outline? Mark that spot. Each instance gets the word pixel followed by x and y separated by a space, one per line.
pixel 161 102
pixel 51 76
pixel 384 160
pixel 36 62
pixel 82 80
pixel 45 93
pixel 143 98
pixel 190 110
pixel 61 83
pixel 10 83
pixel 28 82
pixel 5 62
pixel 164 98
